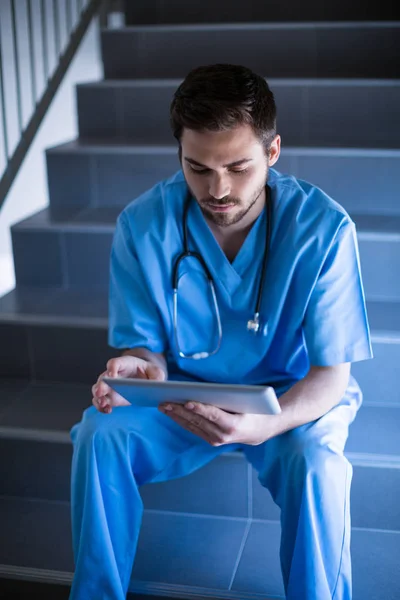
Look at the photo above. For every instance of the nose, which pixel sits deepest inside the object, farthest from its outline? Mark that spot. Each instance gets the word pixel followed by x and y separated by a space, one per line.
pixel 219 187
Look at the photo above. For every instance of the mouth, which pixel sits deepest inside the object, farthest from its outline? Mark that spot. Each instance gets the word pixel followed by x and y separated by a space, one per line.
pixel 221 208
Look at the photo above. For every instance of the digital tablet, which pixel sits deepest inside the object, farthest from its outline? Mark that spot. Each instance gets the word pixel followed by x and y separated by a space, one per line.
pixel 257 399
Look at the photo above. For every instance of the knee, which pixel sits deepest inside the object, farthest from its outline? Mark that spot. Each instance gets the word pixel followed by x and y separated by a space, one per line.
pixel 303 453
pixel 95 425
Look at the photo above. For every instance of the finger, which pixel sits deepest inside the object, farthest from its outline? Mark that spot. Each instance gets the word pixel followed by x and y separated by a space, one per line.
pixel 209 429
pixel 119 366
pixel 190 426
pixel 102 405
pixel 101 389
pixel 225 421
pixel 155 373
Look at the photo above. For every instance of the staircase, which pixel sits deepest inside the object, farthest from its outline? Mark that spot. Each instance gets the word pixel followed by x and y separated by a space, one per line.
pixel 215 533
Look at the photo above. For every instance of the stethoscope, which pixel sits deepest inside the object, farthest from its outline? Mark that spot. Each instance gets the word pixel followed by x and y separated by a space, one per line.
pixel 253 325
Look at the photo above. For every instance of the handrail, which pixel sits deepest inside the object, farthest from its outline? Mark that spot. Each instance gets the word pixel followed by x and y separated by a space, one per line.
pixel 86 11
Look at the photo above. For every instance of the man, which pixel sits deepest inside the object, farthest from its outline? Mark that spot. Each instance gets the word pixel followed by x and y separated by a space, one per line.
pixel 312 326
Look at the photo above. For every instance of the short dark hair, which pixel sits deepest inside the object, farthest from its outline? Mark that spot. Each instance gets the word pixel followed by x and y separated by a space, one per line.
pixel 223 96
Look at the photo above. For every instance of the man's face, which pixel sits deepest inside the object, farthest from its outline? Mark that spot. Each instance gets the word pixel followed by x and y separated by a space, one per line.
pixel 226 171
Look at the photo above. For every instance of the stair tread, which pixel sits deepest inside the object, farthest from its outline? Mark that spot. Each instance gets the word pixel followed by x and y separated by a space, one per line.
pixel 32 530
pixel 98 219
pixel 76 304
pixel 73 306
pixel 103 218
pixel 385 224
pixel 58 406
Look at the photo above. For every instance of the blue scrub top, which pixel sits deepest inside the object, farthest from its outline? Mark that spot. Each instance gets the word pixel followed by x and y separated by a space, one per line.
pixel 313 307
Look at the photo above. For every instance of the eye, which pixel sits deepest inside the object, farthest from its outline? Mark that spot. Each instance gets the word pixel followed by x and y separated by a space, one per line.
pixel 241 172
pixel 204 171
pixel 199 171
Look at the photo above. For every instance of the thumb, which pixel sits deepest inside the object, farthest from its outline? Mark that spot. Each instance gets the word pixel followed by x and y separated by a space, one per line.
pixel 155 373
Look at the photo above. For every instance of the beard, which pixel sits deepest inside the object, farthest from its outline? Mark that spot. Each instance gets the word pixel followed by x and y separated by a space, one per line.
pixel 232 217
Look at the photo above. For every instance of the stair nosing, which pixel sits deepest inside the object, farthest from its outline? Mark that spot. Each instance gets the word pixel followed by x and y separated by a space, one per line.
pixel 36 575
pixel 378 336
pixel 365 232
pixel 357 459
pixel 35 435
pixel 253 25
pixel 135 148
pixel 7 318
pixel 272 81
pixel 383 461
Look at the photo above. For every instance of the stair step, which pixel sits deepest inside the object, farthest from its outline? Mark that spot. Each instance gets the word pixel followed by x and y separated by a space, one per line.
pixel 319 112
pixel 155 12
pixel 59 405
pixel 32 531
pixel 35 425
pixel 66 307
pixel 305 49
pixel 39 240
pixel 55 332
pixel 61 245
pixel 57 340
pixel 100 175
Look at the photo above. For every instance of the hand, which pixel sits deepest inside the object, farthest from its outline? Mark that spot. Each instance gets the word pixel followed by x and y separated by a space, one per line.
pixel 104 397
pixel 219 427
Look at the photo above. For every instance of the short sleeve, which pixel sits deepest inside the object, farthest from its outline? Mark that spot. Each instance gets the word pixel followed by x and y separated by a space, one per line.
pixel 134 320
pixel 336 326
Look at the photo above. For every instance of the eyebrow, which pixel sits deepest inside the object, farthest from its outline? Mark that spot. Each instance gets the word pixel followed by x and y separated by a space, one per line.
pixel 233 164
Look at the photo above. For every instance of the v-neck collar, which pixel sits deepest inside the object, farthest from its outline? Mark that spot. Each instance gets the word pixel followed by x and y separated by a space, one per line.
pixel 231 275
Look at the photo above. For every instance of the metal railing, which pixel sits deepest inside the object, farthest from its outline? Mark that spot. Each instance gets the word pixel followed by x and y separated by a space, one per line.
pixel 74 17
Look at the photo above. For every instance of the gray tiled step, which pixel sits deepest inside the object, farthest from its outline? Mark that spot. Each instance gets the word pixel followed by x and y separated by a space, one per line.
pixel 312 112
pixel 95 175
pixel 56 339
pixel 374 562
pixel 231 476
pixel 32 532
pixel 61 245
pixel 179 11
pixel 305 49
pixel 33 322
pixel 52 408
pixel 34 435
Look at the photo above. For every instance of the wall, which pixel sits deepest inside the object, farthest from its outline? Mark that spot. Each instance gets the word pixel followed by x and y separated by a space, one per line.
pixel 29 191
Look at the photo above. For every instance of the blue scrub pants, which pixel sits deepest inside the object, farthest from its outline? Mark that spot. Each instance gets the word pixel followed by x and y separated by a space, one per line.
pixel 304 469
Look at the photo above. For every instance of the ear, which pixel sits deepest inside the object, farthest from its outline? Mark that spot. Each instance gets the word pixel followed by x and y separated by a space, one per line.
pixel 274 150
